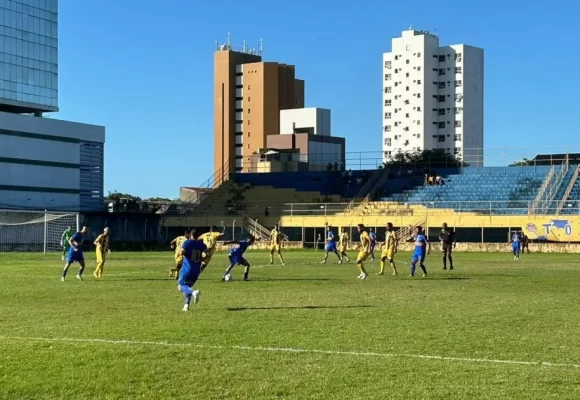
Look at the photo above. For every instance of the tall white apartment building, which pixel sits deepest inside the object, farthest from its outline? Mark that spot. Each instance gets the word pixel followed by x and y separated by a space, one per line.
pixel 433 97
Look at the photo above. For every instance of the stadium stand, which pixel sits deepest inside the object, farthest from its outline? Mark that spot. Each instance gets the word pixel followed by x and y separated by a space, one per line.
pixel 571 198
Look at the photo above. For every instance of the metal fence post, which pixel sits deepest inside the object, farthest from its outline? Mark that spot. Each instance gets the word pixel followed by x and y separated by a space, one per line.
pixel 45 230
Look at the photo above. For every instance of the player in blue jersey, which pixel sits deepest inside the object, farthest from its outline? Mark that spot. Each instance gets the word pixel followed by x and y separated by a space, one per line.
pixel 237 256
pixel 515 242
pixel 422 249
pixel 75 253
pixel 330 246
pixel 373 238
pixel 193 252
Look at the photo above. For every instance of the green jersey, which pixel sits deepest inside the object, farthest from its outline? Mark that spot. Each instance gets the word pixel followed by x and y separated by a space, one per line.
pixel 66 235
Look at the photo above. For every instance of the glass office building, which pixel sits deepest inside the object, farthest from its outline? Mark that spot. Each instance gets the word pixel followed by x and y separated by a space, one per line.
pixel 29 55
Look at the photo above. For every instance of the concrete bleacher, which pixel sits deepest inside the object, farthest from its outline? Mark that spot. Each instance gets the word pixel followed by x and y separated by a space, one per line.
pixel 571 204
pixel 324 182
pixel 475 189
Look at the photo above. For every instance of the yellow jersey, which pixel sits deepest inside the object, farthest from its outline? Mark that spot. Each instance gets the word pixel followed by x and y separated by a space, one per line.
pixel 343 239
pixel 210 239
pixel 390 240
pixel 102 242
pixel 179 243
pixel 365 242
pixel 275 236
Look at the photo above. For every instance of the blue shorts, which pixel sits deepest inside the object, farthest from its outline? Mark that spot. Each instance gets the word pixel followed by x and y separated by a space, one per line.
pixel 237 260
pixel 418 256
pixel 74 256
pixel 515 247
pixel 330 247
pixel 188 279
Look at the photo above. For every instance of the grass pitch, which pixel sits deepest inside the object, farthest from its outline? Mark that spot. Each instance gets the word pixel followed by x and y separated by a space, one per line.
pixel 492 329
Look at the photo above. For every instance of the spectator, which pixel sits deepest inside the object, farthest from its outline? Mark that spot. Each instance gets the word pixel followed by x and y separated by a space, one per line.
pixel 335 166
pixel 329 167
pixel 438 180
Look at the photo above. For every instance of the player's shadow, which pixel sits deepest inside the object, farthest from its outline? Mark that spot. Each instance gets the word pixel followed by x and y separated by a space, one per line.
pixel 294 308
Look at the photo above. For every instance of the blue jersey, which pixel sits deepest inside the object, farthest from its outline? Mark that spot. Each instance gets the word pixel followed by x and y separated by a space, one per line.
pixel 330 237
pixel 192 258
pixel 515 239
pixel 420 243
pixel 240 249
pixel 76 255
pixel 78 237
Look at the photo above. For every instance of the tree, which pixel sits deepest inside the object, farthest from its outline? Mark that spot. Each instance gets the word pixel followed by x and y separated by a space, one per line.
pixel 159 199
pixel 522 163
pixel 116 196
pixel 429 159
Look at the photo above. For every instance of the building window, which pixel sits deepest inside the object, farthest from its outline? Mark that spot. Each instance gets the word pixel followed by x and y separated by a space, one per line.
pixel 458 137
pixel 396 57
pixel 457 152
pixel 441 138
pixel 458 98
pixel 457 83
pixel 407 62
pixel 396 124
pixel 248 87
pixel 387 153
pixel 458 124
pixel 418 81
pixel 388 128
pixel 458 56
pixel 248 134
pixel 418 68
pixel 388 64
pixel 441 85
pixel 418 123
pixel 248 98
pixel 418 54
pixel 387 115
pixel 407 75
pixel 248 122
pixel 418 136
pixel 388 142
pixel 457 70
pixel 442 58
pixel 388 102
pixel 419 108
pixel 387 77
pixel 388 89
pixel 418 95
pixel 441 111
pixel 441 125
pixel 396 71
pixel 442 71
pixel 407 88
pixel 407 102
pixel 407 115
pixel 248 110
pixel 396 84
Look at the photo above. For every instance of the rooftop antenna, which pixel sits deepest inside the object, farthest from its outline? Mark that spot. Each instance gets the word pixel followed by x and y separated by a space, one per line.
pixel 261 46
pixel 217 44
pixel 229 41
pixel 245 47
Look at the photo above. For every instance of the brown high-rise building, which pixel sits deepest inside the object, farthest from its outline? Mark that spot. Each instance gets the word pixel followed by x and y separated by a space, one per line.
pixel 248 97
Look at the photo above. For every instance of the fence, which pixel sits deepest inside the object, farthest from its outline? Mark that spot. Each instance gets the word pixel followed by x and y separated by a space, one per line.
pixel 514 207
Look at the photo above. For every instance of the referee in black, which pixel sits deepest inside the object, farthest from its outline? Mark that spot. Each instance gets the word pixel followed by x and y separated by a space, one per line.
pixel 447 238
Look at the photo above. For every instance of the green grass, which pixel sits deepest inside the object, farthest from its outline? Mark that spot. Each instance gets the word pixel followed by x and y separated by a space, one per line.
pixel 360 336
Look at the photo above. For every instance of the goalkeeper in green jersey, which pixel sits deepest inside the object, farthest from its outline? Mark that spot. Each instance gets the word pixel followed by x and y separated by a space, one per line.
pixel 64 241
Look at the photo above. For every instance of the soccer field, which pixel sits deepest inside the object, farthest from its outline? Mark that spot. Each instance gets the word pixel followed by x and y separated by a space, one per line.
pixel 493 328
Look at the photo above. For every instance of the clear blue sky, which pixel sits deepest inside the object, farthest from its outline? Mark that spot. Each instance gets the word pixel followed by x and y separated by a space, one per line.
pixel 143 68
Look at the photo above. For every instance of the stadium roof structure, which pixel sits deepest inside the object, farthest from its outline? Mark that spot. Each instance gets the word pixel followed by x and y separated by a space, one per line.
pixel 555 159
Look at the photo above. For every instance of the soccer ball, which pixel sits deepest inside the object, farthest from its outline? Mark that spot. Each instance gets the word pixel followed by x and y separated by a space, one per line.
pixel 229 277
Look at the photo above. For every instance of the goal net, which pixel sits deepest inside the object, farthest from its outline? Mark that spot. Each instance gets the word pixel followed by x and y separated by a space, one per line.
pixel 34 231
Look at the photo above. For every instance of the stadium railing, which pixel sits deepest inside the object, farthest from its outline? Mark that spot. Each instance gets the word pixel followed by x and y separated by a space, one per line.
pixel 379 208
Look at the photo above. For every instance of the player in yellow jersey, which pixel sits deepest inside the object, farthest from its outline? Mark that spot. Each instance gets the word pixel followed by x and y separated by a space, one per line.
pixel 343 243
pixel 276 244
pixel 176 244
pixel 364 250
pixel 102 247
pixel 389 249
pixel 210 240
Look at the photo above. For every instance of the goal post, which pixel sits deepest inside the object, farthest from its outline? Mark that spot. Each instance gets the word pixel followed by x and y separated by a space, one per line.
pixel 34 231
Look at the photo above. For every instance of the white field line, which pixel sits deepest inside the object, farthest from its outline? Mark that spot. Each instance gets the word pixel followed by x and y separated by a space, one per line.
pixel 293 350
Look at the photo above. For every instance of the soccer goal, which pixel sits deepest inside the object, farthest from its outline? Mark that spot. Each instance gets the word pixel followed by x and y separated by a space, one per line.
pixel 34 231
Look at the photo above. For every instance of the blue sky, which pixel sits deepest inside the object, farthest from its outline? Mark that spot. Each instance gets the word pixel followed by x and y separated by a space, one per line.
pixel 143 68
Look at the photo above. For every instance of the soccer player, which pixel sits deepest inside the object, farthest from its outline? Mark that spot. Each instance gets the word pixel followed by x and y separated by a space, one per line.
pixel 524 243
pixel 343 243
pixel 276 244
pixel 192 252
pixel 75 253
pixel 389 250
pixel 364 249
pixel 515 242
pixel 422 248
pixel 66 235
pixel 330 246
pixel 177 244
pixel 237 256
pixel 373 238
pixel 102 244
pixel 447 238
pixel 210 239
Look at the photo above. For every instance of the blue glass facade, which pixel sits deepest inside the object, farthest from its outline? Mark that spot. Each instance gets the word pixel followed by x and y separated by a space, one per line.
pixel 29 54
